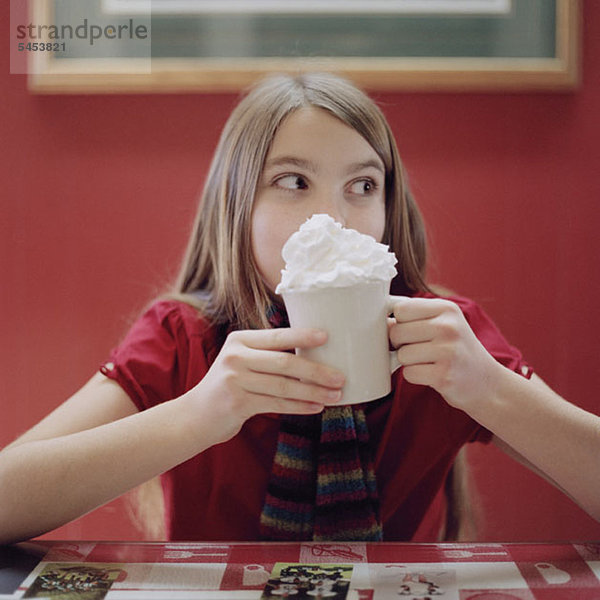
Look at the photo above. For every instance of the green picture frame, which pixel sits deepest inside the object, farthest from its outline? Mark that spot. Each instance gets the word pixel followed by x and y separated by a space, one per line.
pixel 534 48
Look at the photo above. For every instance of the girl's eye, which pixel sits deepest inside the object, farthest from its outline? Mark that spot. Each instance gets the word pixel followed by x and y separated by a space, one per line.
pixel 291 182
pixel 363 187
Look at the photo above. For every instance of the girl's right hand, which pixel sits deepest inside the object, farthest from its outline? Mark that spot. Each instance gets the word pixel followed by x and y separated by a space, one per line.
pixel 80 443
pixel 255 373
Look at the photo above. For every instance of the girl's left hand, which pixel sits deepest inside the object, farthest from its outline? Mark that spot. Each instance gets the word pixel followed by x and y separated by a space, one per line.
pixel 436 347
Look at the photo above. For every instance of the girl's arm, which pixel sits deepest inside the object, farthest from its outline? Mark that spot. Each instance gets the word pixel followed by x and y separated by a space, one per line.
pixel 90 450
pixel 438 348
pixel 96 446
pixel 554 436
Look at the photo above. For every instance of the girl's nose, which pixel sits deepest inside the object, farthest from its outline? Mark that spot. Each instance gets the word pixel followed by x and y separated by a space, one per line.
pixel 329 205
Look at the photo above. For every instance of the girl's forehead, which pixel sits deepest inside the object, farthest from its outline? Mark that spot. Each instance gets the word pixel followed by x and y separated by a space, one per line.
pixel 314 130
pixel 310 115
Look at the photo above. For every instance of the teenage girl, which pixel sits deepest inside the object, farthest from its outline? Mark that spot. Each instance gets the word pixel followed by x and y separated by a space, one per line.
pixel 247 437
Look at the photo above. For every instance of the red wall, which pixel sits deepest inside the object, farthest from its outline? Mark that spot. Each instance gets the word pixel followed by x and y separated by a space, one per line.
pixel 98 194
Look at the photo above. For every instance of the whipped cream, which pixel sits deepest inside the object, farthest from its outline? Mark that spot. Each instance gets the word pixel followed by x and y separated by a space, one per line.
pixel 322 253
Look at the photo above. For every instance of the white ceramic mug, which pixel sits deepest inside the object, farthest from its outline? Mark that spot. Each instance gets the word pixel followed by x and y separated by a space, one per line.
pixel 355 318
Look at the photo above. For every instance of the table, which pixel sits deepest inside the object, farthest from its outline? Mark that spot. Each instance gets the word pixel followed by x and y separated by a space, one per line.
pixel 300 571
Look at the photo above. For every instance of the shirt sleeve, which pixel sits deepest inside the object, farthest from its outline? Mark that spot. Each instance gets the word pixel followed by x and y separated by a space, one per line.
pixel 152 362
pixel 496 344
pixel 492 339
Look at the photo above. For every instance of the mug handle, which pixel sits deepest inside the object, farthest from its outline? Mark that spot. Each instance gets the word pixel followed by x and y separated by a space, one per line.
pixel 394 363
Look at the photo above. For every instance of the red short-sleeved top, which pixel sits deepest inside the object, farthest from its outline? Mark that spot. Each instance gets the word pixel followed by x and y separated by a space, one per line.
pixel 219 494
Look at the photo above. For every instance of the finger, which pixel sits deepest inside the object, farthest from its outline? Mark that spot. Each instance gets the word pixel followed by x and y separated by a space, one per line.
pixel 290 407
pixel 411 332
pixel 264 403
pixel 289 388
pixel 416 309
pixel 420 374
pixel 418 354
pixel 284 338
pixel 292 365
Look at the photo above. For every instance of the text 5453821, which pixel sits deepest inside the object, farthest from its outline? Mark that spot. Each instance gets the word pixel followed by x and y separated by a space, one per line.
pixel 42 46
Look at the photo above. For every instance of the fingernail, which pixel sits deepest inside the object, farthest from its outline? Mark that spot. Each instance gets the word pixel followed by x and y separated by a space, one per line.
pixel 320 335
pixel 334 394
pixel 337 380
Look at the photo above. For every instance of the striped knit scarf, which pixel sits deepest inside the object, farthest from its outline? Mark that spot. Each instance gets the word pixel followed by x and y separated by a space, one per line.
pixel 322 484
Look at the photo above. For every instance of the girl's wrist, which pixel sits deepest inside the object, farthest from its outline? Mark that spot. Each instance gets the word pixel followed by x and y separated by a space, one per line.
pixel 498 400
pixel 206 423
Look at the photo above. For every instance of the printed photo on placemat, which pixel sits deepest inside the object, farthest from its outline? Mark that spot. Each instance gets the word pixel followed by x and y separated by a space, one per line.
pixel 304 581
pixel 68 581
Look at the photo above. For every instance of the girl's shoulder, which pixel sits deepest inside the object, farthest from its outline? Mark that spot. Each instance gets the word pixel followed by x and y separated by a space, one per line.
pixel 176 312
pixel 174 319
pixel 166 351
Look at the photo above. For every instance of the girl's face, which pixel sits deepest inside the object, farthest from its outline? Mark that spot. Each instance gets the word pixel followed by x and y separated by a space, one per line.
pixel 316 164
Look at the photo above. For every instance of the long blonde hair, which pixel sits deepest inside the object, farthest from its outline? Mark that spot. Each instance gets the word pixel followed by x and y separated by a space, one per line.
pixel 219 262
pixel 219 275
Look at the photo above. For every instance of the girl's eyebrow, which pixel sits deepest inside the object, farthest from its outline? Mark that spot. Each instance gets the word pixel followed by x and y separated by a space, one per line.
pixel 279 161
pixel 371 163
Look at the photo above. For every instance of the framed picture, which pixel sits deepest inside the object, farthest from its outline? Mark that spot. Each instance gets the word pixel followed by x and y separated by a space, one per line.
pixel 178 46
